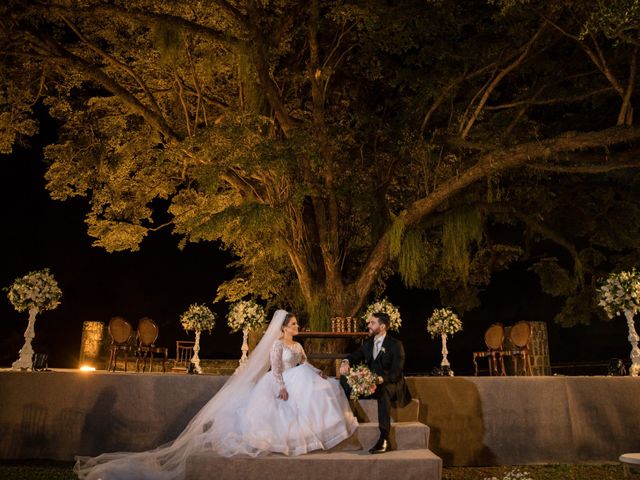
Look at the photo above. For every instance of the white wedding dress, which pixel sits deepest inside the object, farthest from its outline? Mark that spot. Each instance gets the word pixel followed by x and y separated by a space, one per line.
pixel 246 417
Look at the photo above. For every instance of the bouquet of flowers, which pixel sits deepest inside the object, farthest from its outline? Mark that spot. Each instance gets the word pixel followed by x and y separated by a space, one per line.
pixel 198 318
pixel 620 292
pixel 363 382
pixel 246 314
pixel 385 306
pixel 36 290
pixel 442 321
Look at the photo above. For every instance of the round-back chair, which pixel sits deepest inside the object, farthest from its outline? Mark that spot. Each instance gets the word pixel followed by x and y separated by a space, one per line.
pixel 147 335
pixel 120 331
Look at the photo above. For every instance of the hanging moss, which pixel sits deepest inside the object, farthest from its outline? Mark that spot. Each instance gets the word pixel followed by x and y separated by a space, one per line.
pixel 395 237
pixel 462 227
pixel 168 41
pixel 413 258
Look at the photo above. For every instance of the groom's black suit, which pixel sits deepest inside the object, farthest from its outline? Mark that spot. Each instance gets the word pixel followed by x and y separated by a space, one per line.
pixel 389 365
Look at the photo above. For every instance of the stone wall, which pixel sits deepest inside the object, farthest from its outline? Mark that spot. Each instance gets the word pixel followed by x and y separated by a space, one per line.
pixel 538 346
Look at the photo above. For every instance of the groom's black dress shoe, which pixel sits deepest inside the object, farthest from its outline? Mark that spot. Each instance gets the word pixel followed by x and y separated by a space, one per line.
pixel 380 447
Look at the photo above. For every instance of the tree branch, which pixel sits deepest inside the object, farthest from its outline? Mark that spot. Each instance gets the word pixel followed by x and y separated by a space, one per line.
pixel 582 168
pixel 543 230
pixel 625 117
pixel 96 74
pixel 496 81
pixel 144 17
pixel 549 101
pixel 490 163
pixel 116 62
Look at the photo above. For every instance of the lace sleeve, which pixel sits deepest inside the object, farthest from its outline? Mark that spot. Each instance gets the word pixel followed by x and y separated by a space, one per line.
pixel 277 366
pixel 304 359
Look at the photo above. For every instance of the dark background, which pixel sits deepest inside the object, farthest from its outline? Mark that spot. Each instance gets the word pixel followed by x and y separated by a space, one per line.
pixel 161 281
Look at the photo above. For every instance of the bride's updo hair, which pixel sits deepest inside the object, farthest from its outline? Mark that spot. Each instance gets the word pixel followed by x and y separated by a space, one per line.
pixel 287 319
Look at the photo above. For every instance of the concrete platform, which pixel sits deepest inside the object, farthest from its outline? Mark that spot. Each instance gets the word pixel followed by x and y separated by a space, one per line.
pixel 367 411
pixel 404 436
pixel 420 464
pixel 472 420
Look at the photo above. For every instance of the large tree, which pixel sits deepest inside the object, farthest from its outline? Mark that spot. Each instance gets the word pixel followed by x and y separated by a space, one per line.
pixel 329 144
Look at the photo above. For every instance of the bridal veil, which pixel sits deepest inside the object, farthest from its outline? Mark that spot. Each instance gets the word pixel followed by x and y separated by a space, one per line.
pixel 214 428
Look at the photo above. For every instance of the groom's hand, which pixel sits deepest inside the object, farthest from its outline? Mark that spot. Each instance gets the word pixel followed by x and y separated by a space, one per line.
pixel 283 395
pixel 344 368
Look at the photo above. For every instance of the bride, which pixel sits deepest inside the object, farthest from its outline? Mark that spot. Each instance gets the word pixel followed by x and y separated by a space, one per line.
pixel 291 409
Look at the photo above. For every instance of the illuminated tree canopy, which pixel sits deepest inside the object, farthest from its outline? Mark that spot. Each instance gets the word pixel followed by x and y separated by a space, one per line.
pixel 330 144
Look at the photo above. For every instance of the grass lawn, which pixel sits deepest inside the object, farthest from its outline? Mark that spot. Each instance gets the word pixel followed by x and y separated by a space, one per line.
pixel 539 472
pixel 43 470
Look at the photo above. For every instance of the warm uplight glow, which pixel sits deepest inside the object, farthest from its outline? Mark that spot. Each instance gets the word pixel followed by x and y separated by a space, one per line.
pixel 87 368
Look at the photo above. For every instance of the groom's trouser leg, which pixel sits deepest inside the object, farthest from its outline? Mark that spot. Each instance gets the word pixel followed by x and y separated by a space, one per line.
pixel 384 406
pixel 345 386
pixel 384 411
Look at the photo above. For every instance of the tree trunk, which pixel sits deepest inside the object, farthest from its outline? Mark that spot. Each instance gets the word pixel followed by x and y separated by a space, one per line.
pixel 332 300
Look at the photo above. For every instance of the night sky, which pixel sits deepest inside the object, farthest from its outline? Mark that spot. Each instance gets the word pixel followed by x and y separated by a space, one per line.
pixel 160 281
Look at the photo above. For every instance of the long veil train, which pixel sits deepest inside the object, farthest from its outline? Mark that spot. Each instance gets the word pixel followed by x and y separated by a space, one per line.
pixel 214 428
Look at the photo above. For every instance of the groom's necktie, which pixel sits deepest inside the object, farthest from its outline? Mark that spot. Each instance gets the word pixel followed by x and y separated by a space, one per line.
pixel 376 347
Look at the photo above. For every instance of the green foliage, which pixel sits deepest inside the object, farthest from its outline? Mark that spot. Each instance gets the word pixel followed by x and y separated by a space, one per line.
pixel 554 279
pixel 578 309
pixel 616 19
pixel 168 41
pixel 181 116
pixel 461 229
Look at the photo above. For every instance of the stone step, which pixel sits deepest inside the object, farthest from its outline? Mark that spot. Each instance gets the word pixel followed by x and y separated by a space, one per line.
pixel 367 411
pixel 419 464
pixel 404 436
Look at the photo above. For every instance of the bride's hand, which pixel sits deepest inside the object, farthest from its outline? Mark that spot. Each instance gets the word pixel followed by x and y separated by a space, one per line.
pixel 322 374
pixel 283 395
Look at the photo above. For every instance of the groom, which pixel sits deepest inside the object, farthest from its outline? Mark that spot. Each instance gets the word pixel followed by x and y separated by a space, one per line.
pixel 384 355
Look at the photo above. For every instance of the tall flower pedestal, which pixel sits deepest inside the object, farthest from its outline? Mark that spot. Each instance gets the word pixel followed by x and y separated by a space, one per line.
pixel 443 322
pixel 36 292
pixel 245 346
pixel 197 318
pixel 244 349
pixel 196 348
pixel 634 370
pixel 248 316
pixel 446 367
pixel 25 361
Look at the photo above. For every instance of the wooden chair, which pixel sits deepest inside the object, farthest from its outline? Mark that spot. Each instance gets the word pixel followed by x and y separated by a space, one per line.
pixel 147 335
pixel 184 352
pixel 493 339
pixel 121 332
pixel 520 335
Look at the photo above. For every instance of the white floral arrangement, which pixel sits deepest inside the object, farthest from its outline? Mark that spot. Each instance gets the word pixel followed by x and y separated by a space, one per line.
pixel 36 290
pixel 514 474
pixel 385 306
pixel 198 317
pixel 246 314
pixel 363 382
pixel 620 292
pixel 442 321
